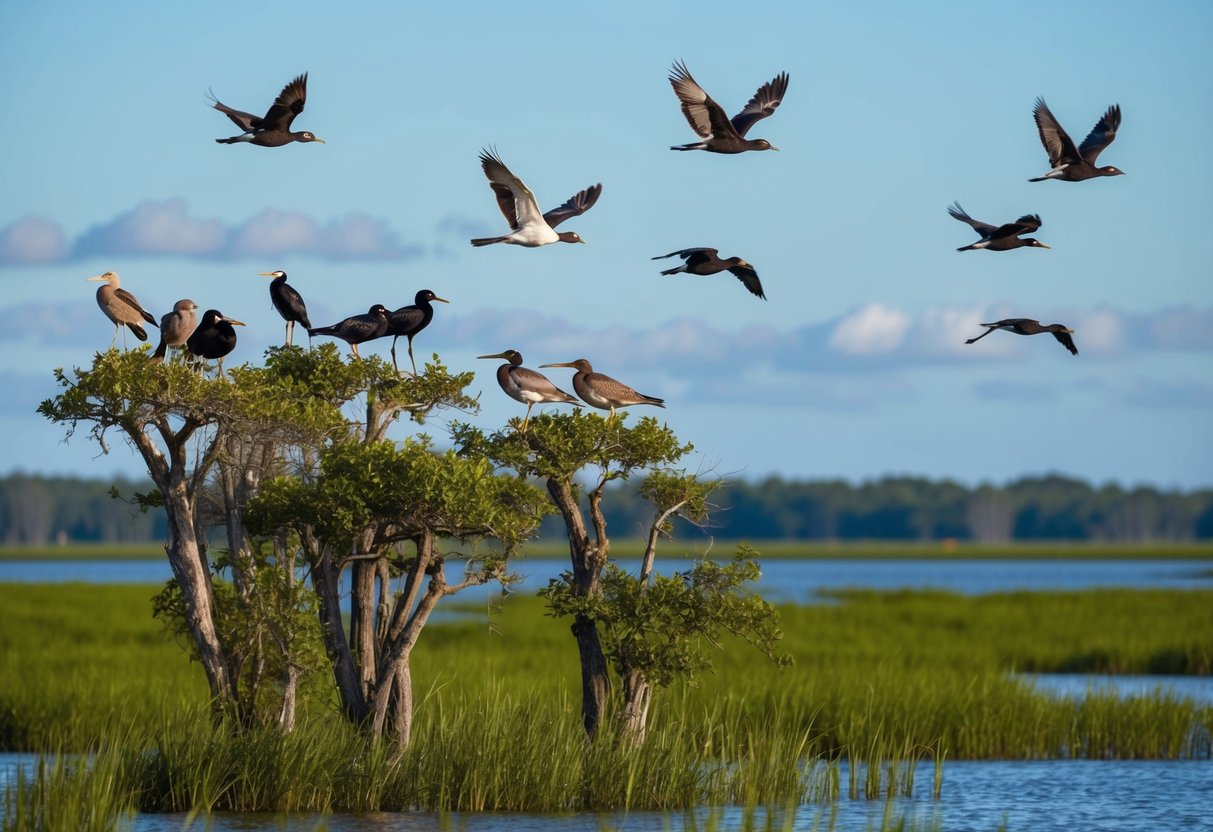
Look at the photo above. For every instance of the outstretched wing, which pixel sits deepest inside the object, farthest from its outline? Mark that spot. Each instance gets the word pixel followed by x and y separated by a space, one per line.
pixel 762 104
pixel 685 253
pixel 705 116
pixel 579 203
pixel 286 106
pixel 524 210
pixel 247 122
pixel 1066 341
pixel 1024 225
pixel 958 213
pixel 1056 141
pixel 750 278
pixel 1101 135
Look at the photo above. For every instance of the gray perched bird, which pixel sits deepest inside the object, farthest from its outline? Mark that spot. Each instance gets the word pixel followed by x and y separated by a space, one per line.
pixel 602 391
pixel 525 385
pixel 176 327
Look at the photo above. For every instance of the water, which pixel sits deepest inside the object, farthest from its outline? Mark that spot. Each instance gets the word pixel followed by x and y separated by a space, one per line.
pixel 1077 795
pixel 795 581
pixel 1077 685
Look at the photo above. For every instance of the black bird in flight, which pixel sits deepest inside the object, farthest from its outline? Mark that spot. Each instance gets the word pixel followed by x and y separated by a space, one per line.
pixel 704 262
pixel 717 132
pixel 1070 163
pixel 274 128
pixel 1027 326
pixel 999 237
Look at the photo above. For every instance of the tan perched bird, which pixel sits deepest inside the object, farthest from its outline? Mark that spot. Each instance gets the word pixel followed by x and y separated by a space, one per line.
pixel 121 307
pixel 525 385
pixel 176 327
pixel 602 391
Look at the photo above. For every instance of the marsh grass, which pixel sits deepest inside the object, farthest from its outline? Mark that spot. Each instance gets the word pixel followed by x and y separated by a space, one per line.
pixel 882 682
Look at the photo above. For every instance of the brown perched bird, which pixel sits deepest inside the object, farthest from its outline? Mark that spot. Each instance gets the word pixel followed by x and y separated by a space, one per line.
pixel 717 132
pixel 999 237
pixel 214 337
pixel 525 385
pixel 1027 326
pixel 359 328
pixel 274 128
pixel 409 320
pixel 528 227
pixel 121 307
pixel 176 327
pixel 603 391
pixel 704 262
pixel 1070 163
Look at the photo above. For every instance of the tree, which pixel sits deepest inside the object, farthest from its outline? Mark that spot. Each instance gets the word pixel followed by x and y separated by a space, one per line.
pixel 649 623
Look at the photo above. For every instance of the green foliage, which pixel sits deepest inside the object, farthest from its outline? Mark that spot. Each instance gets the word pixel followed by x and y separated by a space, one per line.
pixel 397 491
pixel 663 629
pixel 556 446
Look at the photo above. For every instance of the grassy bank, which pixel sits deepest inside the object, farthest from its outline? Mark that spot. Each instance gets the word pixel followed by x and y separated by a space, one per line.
pixel 885 679
pixel 768 549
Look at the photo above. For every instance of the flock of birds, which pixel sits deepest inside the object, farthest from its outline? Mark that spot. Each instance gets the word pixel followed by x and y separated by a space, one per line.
pixel 214 336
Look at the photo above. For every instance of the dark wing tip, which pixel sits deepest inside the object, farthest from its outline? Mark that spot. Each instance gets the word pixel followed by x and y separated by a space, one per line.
pixel 957 212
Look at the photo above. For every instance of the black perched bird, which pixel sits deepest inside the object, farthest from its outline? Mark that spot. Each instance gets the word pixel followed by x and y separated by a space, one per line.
pixel 274 128
pixel 409 320
pixel 176 327
pixel 1070 163
pixel 704 262
pixel 528 227
pixel 1027 326
pixel 121 307
pixel 214 337
pixel 602 391
pixel 288 302
pixel 719 134
pixel 358 329
pixel 999 237
pixel 525 385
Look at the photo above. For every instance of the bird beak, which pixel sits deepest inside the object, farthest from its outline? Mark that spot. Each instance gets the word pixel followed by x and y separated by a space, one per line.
pixel 318 139
pixel 1071 331
pixel 494 355
pixel 98 278
pixel 267 274
pixel 1045 245
pixel 234 322
pixel 564 364
pixel 441 300
pixel 776 149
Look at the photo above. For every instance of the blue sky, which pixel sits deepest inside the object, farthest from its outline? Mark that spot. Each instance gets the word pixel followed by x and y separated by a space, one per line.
pixel 854 368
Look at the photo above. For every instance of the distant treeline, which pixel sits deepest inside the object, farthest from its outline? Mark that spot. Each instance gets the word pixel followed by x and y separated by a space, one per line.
pixel 40 510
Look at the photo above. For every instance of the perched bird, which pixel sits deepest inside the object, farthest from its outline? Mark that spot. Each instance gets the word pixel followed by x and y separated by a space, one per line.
pixel 526 386
pixel 602 391
pixel 527 226
pixel 288 302
pixel 1070 163
pixel 718 133
pixel 121 307
pixel 214 337
pixel 358 329
pixel 274 128
pixel 704 262
pixel 999 237
pixel 409 320
pixel 1027 326
pixel 176 327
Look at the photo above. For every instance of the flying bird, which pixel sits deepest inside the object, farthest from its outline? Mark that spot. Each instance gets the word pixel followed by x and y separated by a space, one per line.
pixel 1070 163
pixel 288 302
pixel 525 385
pixel 602 391
pixel 1027 326
pixel 214 337
pixel 528 227
pixel 717 132
pixel 704 262
pixel 358 329
pixel 176 327
pixel 121 307
pixel 274 128
pixel 409 320
pixel 999 237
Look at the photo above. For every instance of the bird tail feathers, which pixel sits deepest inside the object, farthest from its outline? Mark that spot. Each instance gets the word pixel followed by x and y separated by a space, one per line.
pixel 486 241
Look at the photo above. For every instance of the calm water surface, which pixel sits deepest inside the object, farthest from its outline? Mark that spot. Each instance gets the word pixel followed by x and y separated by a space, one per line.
pixel 782 580
pixel 1071 795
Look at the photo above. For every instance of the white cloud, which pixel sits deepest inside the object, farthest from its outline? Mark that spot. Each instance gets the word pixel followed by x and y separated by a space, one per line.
pixel 873 329
pixel 32 240
pixel 153 228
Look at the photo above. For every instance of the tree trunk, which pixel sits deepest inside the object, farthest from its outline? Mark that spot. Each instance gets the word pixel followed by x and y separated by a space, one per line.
pixel 587 561
pixel 362 614
pixel 637 695
pixel 290 690
pixel 189 568
pixel 326 580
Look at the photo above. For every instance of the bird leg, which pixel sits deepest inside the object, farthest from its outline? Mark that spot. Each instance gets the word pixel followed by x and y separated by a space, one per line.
pixel 290 326
pixel 982 335
pixel 394 365
pixel 411 361
pixel 527 417
pixel 354 349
